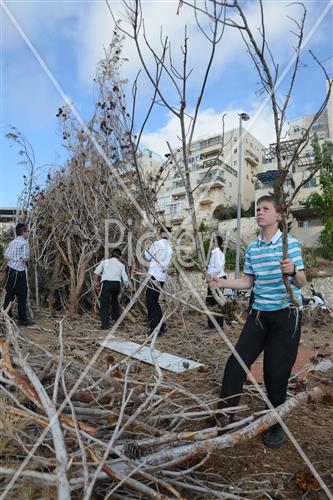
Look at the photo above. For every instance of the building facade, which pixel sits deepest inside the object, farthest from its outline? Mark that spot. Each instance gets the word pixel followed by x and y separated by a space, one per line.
pixel 305 224
pixel 214 168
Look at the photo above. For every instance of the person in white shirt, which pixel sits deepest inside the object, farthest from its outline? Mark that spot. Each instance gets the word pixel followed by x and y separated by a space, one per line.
pixel 16 257
pixel 159 256
pixel 110 272
pixel 215 269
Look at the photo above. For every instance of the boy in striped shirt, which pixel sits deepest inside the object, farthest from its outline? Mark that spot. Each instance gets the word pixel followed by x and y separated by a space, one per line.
pixel 273 324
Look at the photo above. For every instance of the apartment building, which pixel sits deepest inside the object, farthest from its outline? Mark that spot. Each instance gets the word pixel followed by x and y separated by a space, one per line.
pixel 305 225
pixel 214 167
pixel 7 219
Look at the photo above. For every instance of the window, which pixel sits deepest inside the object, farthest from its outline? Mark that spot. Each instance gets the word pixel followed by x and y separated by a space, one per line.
pixel 235 150
pixel 305 223
pixel 173 209
pixel 311 183
pixel 178 183
pixel 235 162
pixel 230 184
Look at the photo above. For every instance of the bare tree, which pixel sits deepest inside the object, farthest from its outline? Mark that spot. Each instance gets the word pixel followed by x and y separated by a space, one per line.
pixel 164 72
pixel 287 154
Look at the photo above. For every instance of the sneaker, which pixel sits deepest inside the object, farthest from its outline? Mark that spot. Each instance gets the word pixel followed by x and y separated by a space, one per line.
pixel 28 322
pixel 274 437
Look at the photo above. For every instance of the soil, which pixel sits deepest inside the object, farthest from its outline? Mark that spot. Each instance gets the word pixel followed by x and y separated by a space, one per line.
pixel 249 470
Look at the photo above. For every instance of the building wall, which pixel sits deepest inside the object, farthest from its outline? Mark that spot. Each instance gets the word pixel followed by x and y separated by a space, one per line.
pixel 228 229
pixel 323 128
pixel 308 234
pixel 214 178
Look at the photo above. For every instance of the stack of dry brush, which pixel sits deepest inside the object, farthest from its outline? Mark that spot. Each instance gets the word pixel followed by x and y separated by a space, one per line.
pixel 72 428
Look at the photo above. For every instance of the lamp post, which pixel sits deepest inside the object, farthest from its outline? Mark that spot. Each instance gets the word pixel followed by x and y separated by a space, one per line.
pixel 242 117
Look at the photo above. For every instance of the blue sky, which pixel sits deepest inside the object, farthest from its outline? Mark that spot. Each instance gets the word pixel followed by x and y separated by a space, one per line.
pixel 70 38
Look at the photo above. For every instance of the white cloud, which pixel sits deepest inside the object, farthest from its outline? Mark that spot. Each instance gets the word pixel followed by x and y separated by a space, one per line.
pixel 210 123
pixel 96 27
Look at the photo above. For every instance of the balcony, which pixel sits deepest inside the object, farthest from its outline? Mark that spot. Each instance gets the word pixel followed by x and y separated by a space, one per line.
pixel 177 217
pixel 205 202
pixel 211 152
pixel 216 179
pixel 218 182
pixel 178 196
pixel 251 158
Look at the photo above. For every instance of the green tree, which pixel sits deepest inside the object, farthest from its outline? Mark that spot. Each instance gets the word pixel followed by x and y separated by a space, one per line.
pixel 322 203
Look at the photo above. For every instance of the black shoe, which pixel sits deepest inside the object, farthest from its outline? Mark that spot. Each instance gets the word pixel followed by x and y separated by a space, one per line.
pixel 162 330
pixel 274 437
pixel 28 322
pixel 105 327
pixel 222 421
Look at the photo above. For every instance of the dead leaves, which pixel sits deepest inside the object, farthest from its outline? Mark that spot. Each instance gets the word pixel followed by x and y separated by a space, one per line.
pixel 306 481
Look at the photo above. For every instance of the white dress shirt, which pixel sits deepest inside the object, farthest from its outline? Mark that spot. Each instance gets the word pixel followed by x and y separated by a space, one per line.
pixel 17 253
pixel 112 270
pixel 159 257
pixel 216 263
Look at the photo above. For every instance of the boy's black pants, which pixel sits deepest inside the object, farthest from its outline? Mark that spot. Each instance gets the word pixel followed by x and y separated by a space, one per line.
pixel 211 302
pixel 16 286
pixel 277 334
pixel 154 309
pixel 110 290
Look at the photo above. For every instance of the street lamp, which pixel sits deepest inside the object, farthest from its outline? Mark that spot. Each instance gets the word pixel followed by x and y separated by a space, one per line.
pixel 242 117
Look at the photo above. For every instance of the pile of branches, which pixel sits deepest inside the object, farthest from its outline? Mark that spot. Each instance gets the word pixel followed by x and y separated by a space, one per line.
pixel 74 428
pixel 103 179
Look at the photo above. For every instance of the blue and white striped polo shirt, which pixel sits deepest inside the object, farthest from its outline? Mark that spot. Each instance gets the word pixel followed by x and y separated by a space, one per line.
pixel 262 260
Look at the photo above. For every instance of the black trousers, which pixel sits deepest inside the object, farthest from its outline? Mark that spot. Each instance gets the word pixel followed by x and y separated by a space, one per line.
pixel 211 302
pixel 16 286
pixel 277 334
pixel 110 291
pixel 154 309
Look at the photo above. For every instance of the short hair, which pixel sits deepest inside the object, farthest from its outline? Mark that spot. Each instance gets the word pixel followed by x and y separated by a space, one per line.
pixel 270 199
pixel 219 241
pixel 20 229
pixel 165 231
pixel 116 252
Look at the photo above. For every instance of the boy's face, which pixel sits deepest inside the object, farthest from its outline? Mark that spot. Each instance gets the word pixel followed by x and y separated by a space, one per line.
pixel 267 216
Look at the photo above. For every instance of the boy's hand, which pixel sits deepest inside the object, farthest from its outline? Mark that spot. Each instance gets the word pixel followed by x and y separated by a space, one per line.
pixel 216 282
pixel 98 285
pixel 287 266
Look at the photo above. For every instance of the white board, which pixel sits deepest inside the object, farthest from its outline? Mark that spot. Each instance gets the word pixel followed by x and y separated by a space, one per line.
pixel 145 354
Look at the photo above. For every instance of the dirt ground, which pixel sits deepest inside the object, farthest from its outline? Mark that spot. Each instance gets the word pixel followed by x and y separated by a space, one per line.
pixel 250 470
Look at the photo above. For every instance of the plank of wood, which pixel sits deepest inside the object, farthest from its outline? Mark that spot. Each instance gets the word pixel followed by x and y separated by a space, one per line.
pixel 145 354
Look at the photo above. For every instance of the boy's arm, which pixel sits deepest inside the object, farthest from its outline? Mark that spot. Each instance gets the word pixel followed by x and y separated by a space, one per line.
pixel 243 283
pixel 290 268
pixel 300 279
pixel 149 252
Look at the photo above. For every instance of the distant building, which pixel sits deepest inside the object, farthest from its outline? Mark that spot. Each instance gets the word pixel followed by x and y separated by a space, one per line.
pixel 306 225
pixel 214 178
pixel 7 219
